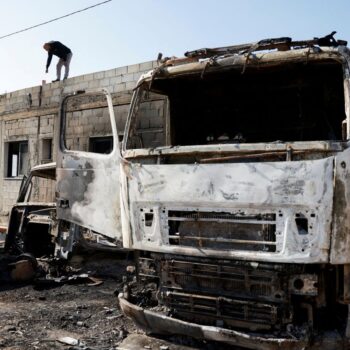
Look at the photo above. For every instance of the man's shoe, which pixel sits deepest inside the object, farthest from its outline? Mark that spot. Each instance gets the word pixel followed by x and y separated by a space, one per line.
pixel 55 80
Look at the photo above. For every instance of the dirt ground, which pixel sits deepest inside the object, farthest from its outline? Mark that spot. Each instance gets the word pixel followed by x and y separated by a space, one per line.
pixel 36 317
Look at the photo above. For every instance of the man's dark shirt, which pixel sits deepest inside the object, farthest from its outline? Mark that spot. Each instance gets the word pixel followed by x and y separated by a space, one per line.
pixel 57 49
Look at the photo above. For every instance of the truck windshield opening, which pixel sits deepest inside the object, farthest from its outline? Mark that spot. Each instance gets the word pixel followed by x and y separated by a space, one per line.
pixel 298 101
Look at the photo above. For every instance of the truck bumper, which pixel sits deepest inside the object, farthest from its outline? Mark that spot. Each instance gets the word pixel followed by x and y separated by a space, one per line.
pixel 160 324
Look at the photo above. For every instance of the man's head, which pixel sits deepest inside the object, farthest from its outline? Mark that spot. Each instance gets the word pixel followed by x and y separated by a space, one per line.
pixel 47 46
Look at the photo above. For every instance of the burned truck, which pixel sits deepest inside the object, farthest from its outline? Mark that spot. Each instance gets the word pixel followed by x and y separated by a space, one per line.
pixel 236 200
pixel 32 222
pixel 34 229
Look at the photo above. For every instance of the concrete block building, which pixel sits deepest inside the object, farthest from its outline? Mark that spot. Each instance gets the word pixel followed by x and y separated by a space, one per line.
pixel 28 120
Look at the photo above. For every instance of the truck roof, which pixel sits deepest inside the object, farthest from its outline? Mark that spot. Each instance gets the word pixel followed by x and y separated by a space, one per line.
pixel 268 51
pixel 47 170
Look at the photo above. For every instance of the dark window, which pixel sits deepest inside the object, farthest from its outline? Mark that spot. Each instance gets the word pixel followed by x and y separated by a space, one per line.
pixel 18 158
pixel 101 144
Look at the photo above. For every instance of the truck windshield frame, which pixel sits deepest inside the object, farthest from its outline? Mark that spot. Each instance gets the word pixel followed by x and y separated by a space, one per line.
pixel 309 114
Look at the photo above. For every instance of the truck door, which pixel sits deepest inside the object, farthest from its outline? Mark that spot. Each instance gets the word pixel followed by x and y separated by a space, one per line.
pixel 88 160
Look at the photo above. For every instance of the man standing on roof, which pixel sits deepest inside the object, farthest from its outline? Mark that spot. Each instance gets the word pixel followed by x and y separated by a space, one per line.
pixel 64 54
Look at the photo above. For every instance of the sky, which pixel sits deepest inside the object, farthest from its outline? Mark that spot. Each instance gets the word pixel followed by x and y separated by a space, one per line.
pixel 123 32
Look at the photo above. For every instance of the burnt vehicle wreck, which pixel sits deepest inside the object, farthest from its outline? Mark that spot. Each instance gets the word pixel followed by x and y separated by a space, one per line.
pixel 33 226
pixel 238 205
pixel 235 202
pixel 32 222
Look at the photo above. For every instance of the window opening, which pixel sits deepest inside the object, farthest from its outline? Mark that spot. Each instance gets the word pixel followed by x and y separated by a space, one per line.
pixel 18 159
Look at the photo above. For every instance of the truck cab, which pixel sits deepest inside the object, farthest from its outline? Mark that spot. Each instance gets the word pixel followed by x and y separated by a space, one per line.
pixel 237 200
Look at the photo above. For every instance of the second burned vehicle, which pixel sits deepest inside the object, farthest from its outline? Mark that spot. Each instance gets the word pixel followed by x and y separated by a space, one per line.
pixel 236 195
pixel 33 226
pixel 32 222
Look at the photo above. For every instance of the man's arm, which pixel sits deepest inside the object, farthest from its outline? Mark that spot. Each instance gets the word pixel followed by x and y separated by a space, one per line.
pixel 49 58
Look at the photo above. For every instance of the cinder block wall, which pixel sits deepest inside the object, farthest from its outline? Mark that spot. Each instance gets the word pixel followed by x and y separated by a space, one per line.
pixel 30 115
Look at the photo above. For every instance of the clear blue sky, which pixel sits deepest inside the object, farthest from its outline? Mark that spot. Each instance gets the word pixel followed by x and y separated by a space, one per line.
pixel 124 32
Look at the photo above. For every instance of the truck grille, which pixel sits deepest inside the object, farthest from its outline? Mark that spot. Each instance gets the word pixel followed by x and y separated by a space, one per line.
pixel 223 293
pixel 222 230
pixel 222 311
pixel 238 281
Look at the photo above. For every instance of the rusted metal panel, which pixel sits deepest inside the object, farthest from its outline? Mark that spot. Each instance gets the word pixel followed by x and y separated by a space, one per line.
pixel 289 190
pixel 304 284
pixel 340 248
pixel 303 147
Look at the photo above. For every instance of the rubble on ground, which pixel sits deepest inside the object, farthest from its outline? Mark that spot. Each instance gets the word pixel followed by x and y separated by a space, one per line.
pixel 74 306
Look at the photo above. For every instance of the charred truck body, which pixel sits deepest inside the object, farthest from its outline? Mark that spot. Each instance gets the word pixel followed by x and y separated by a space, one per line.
pixel 32 223
pixel 239 208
